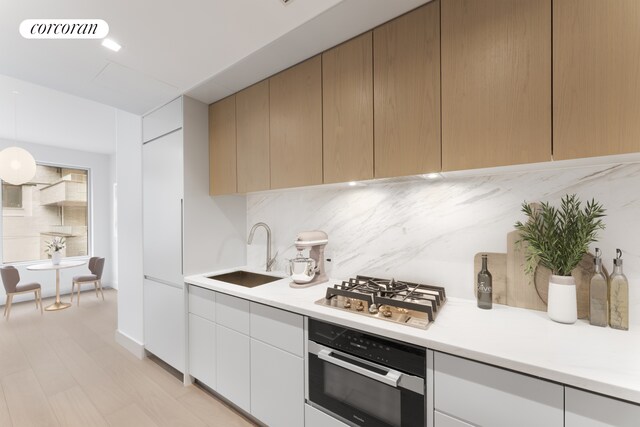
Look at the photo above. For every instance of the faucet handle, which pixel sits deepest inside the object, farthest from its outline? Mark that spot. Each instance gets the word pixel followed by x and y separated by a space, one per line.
pixel 271 261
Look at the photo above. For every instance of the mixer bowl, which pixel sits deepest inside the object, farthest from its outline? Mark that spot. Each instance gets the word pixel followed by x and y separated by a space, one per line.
pixel 302 270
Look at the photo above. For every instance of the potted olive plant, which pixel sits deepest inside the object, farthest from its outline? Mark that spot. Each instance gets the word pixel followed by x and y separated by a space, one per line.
pixel 558 239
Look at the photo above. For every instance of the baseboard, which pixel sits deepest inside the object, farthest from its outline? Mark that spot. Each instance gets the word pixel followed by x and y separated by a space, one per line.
pixel 133 346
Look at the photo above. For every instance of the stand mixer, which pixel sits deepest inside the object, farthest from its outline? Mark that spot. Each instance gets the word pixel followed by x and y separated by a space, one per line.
pixel 309 271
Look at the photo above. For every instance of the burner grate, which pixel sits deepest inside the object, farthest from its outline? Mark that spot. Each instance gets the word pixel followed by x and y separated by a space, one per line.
pixel 399 301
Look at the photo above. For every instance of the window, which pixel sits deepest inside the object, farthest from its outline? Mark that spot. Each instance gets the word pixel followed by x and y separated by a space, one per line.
pixel 54 203
pixel 11 196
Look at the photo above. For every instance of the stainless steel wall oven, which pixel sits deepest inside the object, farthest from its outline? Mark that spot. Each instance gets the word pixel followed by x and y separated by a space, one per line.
pixel 364 379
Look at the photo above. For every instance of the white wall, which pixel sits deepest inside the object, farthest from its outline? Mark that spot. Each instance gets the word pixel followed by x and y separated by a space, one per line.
pixel 215 228
pixel 429 231
pixel 129 219
pixel 100 219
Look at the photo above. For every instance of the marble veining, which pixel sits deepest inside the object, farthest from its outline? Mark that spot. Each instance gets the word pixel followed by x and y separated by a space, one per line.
pixel 429 231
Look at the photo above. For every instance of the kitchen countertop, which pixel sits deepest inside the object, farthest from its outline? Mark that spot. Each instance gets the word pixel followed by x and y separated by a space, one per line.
pixel 602 360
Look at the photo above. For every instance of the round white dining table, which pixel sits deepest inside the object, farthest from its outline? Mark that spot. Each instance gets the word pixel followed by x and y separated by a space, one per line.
pixel 58 305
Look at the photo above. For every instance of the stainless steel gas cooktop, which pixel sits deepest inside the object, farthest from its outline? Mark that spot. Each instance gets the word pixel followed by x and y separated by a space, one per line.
pixel 407 303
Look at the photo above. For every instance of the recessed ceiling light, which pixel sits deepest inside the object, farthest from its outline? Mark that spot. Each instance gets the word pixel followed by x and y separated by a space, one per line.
pixel 110 44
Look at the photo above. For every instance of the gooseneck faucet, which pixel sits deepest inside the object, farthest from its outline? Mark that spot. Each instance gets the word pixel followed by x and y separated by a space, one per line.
pixel 270 260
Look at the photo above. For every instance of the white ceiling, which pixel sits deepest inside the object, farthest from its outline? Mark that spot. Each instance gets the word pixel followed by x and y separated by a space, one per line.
pixel 169 46
pixel 50 117
pixel 335 25
pixel 206 48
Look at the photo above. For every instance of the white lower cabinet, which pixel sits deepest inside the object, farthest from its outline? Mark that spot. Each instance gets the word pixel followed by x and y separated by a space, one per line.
pixel 277 386
pixel 233 366
pixel 583 409
pixel 488 396
pixel 202 350
pixel 443 420
pixel 316 418
pixel 164 317
pixel 250 353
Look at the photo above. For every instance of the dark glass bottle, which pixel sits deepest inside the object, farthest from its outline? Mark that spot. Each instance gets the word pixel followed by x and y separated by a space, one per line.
pixel 484 289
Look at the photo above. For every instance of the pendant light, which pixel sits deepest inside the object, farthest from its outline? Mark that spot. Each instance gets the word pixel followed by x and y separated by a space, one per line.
pixel 17 165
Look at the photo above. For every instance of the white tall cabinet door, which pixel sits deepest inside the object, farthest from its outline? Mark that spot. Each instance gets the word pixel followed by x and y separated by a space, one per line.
pixel 233 366
pixel 277 386
pixel 583 409
pixel 162 181
pixel 202 350
pixel 164 322
pixel 163 120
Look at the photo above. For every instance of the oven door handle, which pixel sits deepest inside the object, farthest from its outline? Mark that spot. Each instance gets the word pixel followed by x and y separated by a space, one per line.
pixel 392 377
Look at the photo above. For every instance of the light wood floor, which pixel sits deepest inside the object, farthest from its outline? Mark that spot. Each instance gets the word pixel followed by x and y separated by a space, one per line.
pixel 65 369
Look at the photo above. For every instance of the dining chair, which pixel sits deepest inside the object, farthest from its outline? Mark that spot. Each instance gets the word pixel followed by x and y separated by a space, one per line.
pixel 96 266
pixel 10 280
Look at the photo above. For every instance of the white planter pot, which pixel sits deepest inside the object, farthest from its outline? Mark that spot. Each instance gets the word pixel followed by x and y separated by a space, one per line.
pixel 562 305
pixel 55 258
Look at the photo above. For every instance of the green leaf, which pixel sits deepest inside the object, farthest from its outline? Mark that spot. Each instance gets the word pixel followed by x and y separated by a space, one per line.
pixel 558 238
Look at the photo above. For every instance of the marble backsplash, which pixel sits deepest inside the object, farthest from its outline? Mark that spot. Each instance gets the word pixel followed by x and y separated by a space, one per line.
pixel 429 230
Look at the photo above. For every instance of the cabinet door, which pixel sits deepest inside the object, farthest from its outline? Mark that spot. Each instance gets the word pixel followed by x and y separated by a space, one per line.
pixel 584 409
pixel 233 312
pixel 277 386
pixel 488 396
pixel 596 78
pixel 295 108
pixel 406 86
pixel 163 120
pixel 442 420
pixel 222 147
pixel 202 302
pixel 233 364
pixel 316 418
pixel 164 317
pixel 347 103
pixel 162 193
pixel 279 328
pixel 496 83
pixel 252 128
pixel 202 357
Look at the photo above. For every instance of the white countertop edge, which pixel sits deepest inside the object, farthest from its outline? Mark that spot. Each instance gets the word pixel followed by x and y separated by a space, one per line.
pixel 302 301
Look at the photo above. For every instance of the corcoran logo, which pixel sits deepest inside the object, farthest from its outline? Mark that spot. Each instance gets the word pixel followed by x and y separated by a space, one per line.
pixel 64 29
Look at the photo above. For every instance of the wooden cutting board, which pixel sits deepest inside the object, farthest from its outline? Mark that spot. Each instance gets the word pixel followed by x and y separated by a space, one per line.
pixel 521 290
pixel 582 275
pixel 497 266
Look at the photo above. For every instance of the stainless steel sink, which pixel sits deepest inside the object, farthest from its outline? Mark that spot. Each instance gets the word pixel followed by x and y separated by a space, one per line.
pixel 245 278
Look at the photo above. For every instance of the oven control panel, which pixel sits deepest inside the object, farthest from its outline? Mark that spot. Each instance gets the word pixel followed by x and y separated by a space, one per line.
pixel 394 354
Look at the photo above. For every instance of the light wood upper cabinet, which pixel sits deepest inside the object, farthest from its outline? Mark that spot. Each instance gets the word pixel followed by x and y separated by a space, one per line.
pixel 295 108
pixel 252 123
pixel 347 102
pixel 222 147
pixel 496 83
pixel 596 78
pixel 406 73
